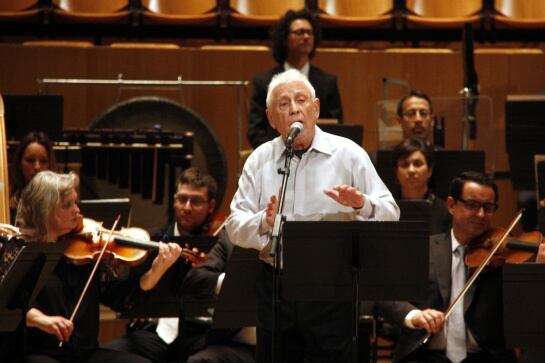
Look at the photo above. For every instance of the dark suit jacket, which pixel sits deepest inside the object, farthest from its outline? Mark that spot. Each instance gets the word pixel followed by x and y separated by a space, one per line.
pixel 483 305
pixel 325 84
pixel 200 282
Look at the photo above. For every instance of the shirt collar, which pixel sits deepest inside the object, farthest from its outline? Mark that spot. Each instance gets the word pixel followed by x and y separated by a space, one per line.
pixel 454 241
pixel 304 69
pixel 320 143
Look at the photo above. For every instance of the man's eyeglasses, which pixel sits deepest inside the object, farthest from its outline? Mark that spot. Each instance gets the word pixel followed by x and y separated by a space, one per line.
pixel 474 206
pixel 412 113
pixel 301 32
pixel 195 201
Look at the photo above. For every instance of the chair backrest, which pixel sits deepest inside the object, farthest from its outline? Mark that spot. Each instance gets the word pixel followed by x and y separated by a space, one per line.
pixel 361 8
pixel 526 9
pixel 18 5
pixel 444 8
pixel 178 7
pixel 266 7
pixel 92 6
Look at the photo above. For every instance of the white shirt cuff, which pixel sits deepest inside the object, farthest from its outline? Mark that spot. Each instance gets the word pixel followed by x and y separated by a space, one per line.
pixel 221 277
pixel 408 319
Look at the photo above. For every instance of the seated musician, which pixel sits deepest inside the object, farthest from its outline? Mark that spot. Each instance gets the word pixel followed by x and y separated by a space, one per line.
pixel 34 154
pixel 47 211
pixel 194 205
pixel 413 163
pixel 474 330
pixel 415 116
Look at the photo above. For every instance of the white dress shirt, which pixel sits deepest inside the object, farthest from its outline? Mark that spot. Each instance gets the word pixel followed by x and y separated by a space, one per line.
pixel 331 160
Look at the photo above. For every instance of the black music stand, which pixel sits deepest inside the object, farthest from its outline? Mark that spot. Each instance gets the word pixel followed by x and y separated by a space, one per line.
pixel 414 210
pixel 355 261
pixel 448 164
pixel 524 130
pixel 380 251
pixel 27 275
pixel 523 301
pixel 107 210
pixel 352 132
pixel 25 113
pixel 236 303
pixel 164 299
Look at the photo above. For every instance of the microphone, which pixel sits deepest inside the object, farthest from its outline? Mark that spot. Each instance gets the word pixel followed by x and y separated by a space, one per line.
pixel 295 129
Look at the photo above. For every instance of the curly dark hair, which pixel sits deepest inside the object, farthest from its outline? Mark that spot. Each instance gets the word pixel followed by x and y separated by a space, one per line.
pixel 17 178
pixel 280 32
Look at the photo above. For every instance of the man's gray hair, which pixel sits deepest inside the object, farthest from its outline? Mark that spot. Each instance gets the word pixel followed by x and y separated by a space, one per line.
pixel 290 75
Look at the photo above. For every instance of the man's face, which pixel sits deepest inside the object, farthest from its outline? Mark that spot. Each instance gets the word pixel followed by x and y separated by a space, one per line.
pixel 300 38
pixel 472 215
pixel 192 207
pixel 416 119
pixel 293 102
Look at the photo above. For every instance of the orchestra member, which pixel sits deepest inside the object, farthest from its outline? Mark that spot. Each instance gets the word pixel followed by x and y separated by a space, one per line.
pixel 294 41
pixel 413 164
pixel 47 211
pixel 474 330
pixel 34 154
pixel 415 116
pixel 194 206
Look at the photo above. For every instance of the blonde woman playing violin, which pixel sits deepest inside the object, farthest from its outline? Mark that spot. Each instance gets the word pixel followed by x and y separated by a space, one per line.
pixel 48 210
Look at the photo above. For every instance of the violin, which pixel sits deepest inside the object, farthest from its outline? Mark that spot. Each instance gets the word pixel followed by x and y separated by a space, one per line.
pixel 129 246
pixel 519 249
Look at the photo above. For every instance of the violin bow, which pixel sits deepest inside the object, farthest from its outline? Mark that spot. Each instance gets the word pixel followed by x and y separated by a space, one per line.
pixel 218 230
pixel 479 269
pixel 99 258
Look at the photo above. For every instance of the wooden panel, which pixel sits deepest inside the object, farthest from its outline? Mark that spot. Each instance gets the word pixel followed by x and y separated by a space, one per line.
pixel 360 77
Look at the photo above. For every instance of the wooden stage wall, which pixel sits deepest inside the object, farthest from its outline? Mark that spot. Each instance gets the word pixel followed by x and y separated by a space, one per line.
pixel 360 76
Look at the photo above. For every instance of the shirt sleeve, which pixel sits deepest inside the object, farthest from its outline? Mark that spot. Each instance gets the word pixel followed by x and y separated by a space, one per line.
pixel 245 225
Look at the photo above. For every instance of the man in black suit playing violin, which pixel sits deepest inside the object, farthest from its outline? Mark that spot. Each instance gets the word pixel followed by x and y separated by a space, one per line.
pixel 474 329
pixel 194 206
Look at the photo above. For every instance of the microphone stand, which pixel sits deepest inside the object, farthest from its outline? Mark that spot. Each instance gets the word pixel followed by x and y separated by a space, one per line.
pixel 276 253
